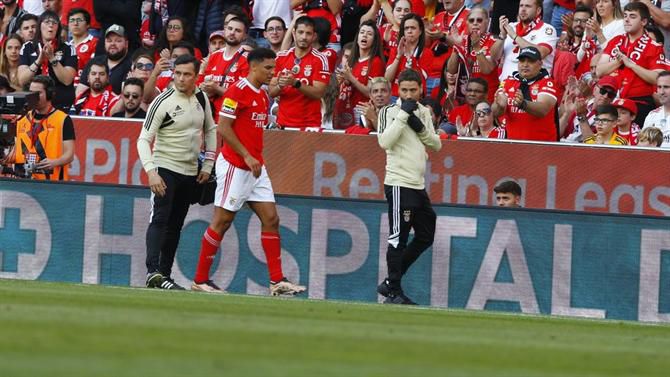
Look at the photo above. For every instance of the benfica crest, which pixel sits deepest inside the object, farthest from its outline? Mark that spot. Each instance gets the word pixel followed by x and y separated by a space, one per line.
pixel 308 70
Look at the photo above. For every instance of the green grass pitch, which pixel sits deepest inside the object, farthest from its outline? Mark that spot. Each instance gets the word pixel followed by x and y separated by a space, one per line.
pixel 55 329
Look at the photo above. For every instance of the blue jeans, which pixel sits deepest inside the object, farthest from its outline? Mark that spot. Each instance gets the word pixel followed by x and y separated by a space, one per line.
pixel 547 10
pixel 486 4
pixel 558 12
pixel 431 83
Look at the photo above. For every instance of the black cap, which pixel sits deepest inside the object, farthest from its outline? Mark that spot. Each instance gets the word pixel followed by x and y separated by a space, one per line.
pixel 530 53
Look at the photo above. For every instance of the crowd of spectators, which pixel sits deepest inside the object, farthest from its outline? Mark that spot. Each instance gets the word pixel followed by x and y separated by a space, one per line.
pixel 591 71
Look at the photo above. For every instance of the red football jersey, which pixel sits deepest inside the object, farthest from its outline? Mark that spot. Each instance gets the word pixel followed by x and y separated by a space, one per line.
pixel 85 52
pixel 445 21
pixel 486 42
pixel 331 56
pixel 392 41
pixel 413 63
pixel 248 106
pixel 464 111
pixel 645 53
pixel 99 106
pixel 523 126
pixel 296 109
pixel 349 96
pixel 164 80
pixel 225 72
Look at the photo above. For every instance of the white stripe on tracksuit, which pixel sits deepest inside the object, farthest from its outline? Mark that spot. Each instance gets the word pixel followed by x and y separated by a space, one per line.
pixel 394 237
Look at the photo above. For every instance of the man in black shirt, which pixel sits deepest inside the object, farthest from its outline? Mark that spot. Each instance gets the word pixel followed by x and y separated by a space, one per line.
pixel 131 97
pixel 118 59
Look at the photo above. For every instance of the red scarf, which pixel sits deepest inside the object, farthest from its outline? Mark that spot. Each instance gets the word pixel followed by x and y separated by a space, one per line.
pixel 45 65
pixel 635 51
pixel 522 31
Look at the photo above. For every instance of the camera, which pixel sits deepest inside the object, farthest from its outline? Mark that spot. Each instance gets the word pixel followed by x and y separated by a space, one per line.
pixel 12 107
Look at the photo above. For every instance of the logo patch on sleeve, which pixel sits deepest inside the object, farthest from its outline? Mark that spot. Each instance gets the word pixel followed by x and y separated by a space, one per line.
pixel 229 106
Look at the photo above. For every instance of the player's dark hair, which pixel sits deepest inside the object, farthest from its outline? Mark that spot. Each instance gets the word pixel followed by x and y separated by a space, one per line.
pixel 307 21
pixel 322 30
pixel 187 45
pixel 410 75
pixel 188 59
pixel 260 54
pixel 243 20
pixel 508 187
pixel 640 8
pixel 73 11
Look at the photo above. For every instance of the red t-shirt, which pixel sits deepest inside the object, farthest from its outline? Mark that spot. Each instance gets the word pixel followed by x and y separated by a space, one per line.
pixel 164 80
pixel 645 53
pixel 413 63
pixel 349 96
pixel 85 52
pixel 392 42
pixel 464 111
pixel 523 126
pixel 248 106
pixel 331 56
pixel 444 21
pixel 225 72
pixel 98 106
pixel 296 109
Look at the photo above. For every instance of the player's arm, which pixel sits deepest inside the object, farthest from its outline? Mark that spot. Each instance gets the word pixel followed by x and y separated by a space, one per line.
pixel 648 75
pixel 545 47
pixel 314 91
pixel 371 14
pixel 541 106
pixel 225 128
pixel 209 139
pixel 428 136
pixel 389 129
pixel 452 63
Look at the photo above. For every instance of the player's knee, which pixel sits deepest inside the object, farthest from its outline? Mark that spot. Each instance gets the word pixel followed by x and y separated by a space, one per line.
pixel 221 224
pixel 270 222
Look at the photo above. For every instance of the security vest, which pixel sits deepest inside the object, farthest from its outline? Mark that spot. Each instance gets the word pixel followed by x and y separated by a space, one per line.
pixel 37 139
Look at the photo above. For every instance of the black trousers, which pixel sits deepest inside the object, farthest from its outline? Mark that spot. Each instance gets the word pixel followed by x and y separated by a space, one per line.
pixel 167 218
pixel 408 209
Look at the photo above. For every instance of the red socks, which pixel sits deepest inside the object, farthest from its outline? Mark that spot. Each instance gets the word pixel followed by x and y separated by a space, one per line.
pixel 272 247
pixel 210 244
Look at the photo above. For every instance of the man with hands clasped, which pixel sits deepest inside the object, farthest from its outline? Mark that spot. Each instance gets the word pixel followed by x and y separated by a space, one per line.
pixel 405 129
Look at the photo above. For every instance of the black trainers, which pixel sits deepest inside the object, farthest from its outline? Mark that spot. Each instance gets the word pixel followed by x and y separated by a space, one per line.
pixel 168 283
pixel 384 288
pixel 154 279
pixel 400 299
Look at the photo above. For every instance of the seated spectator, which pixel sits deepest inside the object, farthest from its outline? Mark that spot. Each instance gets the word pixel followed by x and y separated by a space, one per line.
pixel 217 41
pixel 13 12
pixel 49 55
pixel 84 44
pixel 118 60
pixel 484 124
pixel 625 127
pixel 275 30
pixel 660 117
pixel 528 100
pixel 650 137
pixel 176 30
pixel 27 27
pixel 9 60
pixel 508 194
pixel 380 96
pixel 579 108
pixel 475 92
pixel 131 99
pixel 606 117
pixel 99 98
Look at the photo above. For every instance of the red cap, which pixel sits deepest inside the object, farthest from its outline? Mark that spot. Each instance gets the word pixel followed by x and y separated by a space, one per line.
pixel 625 103
pixel 608 81
pixel 218 33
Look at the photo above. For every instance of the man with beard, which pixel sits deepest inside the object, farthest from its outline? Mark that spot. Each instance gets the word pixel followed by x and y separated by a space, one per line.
pixel 116 55
pixel 98 99
pixel 635 60
pixel 131 99
pixel 380 96
pixel 528 100
pixel 225 66
pixel 27 27
pixel 13 13
pixel 529 31
pixel 301 78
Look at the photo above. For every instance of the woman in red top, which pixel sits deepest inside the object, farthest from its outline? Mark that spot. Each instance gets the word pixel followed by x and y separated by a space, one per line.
pixel 445 92
pixel 411 43
pixel 366 61
pixel 391 27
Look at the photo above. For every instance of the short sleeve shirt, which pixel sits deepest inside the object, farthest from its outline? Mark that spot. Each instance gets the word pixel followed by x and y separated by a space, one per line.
pixel 520 124
pixel 542 35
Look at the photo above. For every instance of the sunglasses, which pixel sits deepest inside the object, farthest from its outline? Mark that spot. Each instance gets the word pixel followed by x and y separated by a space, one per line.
pixel 144 66
pixel 608 93
pixel 475 20
pixel 483 112
pixel 173 27
pixel 131 95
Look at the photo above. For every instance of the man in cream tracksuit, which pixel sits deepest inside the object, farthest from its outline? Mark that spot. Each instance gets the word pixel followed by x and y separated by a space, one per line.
pixel 405 130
